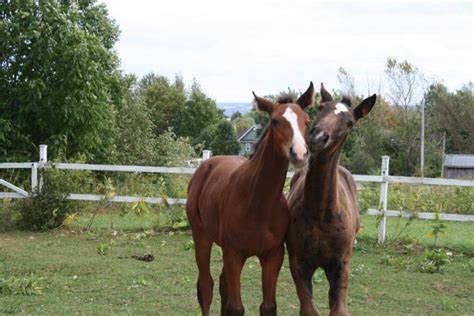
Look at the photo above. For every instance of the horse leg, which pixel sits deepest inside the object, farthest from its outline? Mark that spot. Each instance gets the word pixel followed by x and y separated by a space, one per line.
pixel 205 284
pixel 233 264
pixel 271 264
pixel 303 275
pixel 338 277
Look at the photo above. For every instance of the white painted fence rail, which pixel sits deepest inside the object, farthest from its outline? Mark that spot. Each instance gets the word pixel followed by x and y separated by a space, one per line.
pixel 384 179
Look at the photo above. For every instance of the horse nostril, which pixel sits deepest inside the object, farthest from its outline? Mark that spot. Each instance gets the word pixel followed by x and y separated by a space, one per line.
pixel 325 137
pixel 292 152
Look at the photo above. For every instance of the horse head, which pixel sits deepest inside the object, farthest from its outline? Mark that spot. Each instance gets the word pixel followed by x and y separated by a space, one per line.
pixel 335 121
pixel 287 126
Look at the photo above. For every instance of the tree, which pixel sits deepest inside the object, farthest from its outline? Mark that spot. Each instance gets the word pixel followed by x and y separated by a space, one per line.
pixel 58 75
pixel 200 112
pixel 242 122
pixel 406 82
pixel 135 139
pixel 225 140
pixel 451 115
pixel 165 100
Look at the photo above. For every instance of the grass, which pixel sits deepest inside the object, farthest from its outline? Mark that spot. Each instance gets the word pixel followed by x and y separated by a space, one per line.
pixel 76 279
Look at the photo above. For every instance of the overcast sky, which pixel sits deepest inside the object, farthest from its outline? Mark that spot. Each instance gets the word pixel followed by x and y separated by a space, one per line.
pixel 234 47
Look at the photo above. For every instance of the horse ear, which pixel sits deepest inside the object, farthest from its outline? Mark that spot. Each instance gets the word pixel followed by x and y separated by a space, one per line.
pixel 307 98
pixel 263 104
pixel 325 96
pixel 364 107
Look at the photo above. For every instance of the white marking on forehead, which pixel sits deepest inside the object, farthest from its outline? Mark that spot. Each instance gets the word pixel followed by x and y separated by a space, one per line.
pixel 299 145
pixel 340 108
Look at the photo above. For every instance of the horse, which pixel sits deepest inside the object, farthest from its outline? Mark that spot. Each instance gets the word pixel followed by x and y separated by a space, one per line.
pixel 324 217
pixel 239 205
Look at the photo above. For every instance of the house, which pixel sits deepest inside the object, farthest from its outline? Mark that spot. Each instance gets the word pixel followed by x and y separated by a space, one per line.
pixel 458 166
pixel 248 138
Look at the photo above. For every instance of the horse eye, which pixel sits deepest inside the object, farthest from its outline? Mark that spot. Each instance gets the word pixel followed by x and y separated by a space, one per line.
pixel 350 124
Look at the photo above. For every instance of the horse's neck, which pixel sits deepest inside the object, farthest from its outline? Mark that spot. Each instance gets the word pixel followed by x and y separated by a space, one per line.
pixel 267 173
pixel 322 182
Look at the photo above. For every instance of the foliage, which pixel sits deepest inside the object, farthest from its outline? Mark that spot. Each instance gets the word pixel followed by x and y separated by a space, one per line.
pixel 165 101
pixel 438 228
pixel 200 112
pixel 26 285
pixel 451 115
pixel 102 249
pixel 48 207
pixel 242 122
pixel 414 198
pixel 135 137
pixel 435 260
pixel 58 75
pixel 223 139
pixel 172 107
pixel 172 150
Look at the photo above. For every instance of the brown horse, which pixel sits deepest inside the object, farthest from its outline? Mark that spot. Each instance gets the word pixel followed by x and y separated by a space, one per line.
pixel 324 217
pixel 239 205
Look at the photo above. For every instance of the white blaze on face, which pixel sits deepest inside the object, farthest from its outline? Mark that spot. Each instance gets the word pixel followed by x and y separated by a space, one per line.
pixel 299 145
pixel 340 108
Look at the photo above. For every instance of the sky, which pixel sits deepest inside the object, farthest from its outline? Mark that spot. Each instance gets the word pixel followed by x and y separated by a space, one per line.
pixel 233 48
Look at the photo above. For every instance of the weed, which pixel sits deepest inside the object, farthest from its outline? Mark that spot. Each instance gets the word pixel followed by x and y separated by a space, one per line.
pixel 26 285
pixel 189 245
pixel 435 260
pixel 102 249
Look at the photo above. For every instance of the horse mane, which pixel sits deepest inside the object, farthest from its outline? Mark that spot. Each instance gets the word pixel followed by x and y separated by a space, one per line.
pixel 259 140
pixel 285 98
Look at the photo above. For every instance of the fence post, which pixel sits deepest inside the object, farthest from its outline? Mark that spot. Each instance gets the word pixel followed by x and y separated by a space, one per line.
pixel 206 154
pixel 383 198
pixel 43 159
pixel 34 177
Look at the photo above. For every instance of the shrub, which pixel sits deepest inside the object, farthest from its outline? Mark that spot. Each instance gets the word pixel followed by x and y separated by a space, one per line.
pixel 434 261
pixel 46 208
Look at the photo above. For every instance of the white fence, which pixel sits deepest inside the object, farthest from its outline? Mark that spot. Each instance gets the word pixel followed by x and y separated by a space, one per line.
pixel 384 179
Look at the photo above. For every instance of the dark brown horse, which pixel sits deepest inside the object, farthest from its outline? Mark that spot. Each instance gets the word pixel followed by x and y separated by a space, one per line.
pixel 239 205
pixel 324 217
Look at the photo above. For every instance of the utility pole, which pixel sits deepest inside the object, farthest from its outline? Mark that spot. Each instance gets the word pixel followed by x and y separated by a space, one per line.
pixel 444 154
pixel 422 149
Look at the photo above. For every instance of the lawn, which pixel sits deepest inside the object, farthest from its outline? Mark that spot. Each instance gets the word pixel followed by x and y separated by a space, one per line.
pixel 76 279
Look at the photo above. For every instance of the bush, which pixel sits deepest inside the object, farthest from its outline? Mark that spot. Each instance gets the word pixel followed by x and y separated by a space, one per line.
pixel 435 260
pixel 48 207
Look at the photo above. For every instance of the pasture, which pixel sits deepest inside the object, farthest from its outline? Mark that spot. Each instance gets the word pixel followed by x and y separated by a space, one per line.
pixel 80 272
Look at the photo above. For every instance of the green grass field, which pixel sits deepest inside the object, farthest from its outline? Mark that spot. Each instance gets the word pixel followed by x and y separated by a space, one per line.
pixel 76 280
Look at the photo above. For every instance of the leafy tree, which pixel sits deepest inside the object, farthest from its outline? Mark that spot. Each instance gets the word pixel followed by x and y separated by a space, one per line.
pixel 58 75
pixel 135 140
pixel 242 122
pixel 165 100
pixel 225 140
pixel 173 150
pixel 235 116
pixel 200 112
pixel 453 114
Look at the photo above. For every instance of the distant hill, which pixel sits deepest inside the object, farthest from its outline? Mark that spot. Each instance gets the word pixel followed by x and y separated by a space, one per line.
pixel 232 107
